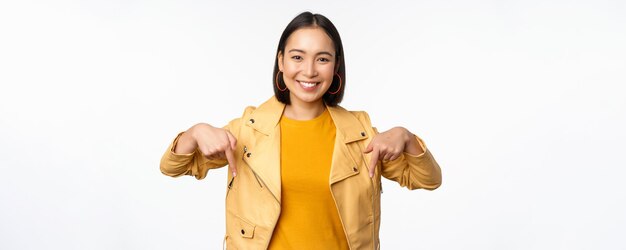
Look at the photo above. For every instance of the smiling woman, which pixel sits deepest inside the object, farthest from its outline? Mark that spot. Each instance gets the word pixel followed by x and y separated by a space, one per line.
pixel 308 71
pixel 304 172
pixel 317 34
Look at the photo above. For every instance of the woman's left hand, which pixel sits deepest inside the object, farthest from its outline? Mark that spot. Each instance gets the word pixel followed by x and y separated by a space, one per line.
pixel 389 145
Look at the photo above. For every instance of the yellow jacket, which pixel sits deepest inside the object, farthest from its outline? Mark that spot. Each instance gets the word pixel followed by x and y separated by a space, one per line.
pixel 253 197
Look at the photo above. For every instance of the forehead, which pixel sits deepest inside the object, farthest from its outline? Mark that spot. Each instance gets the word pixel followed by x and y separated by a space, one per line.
pixel 312 39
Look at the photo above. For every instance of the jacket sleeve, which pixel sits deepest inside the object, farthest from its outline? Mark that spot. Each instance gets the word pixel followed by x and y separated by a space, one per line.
pixel 194 164
pixel 411 171
pixel 414 171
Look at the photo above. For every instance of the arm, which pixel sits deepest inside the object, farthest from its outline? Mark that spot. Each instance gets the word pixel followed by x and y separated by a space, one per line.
pixel 405 159
pixel 415 167
pixel 200 148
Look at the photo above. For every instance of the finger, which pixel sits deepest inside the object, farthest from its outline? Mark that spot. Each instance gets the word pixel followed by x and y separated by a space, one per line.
pixel 232 140
pixel 373 161
pixel 208 154
pixel 388 155
pixel 368 148
pixel 231 161
pixel 384 155
pixel 395 156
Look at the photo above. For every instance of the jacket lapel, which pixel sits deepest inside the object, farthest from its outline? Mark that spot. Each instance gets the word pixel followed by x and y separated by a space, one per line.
pixel 264 148
pixel 347 156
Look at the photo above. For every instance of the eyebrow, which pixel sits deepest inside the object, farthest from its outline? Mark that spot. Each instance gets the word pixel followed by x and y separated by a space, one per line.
pixel 318 53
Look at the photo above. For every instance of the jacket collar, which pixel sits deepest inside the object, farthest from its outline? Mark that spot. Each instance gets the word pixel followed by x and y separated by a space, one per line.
pixel 267 116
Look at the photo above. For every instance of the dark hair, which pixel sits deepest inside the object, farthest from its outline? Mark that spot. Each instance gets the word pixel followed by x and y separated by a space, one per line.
pixel 304 20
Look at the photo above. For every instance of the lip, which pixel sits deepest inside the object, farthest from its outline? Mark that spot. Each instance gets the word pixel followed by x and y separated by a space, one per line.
pixel 306 87
pixel 316 82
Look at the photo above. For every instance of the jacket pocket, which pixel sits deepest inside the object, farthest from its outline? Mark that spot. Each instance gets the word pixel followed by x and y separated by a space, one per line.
pixel 240 232
pixel 246 229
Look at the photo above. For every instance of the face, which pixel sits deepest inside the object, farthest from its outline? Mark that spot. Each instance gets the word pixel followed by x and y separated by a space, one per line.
pixel 308 65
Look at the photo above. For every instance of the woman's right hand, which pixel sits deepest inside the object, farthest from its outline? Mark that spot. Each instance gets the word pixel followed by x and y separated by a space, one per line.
pixel 213 143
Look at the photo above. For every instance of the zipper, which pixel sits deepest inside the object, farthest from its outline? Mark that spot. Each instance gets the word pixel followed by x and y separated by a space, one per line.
pixel 230 183
pixel 230 186
pixel 365 162
pixel 263 184
pixel 257 179
pixel 373 197
pixel 373 212
pixel 224 242
pixel 256 176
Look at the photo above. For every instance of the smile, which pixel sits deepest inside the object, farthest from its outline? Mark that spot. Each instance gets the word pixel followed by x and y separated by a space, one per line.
pixel 308 85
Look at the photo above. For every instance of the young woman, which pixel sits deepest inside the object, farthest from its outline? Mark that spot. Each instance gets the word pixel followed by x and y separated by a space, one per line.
pixel 304 173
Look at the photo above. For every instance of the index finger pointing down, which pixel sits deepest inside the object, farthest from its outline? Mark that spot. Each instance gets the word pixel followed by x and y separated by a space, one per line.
pixel 373 161
pixel 231 161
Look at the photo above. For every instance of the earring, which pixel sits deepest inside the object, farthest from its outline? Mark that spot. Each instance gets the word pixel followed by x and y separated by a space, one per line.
pixel 336 91
pixel 276 80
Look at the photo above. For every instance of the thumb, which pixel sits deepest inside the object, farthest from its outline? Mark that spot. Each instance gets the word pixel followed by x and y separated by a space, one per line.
pixel 369 148
pixel 373 161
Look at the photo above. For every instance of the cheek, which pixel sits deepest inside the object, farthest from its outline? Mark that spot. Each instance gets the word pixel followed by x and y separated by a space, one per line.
pixel 328 72
pixel 290 70
pixel 288 76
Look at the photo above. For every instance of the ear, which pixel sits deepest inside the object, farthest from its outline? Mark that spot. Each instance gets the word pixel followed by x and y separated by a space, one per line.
pixel 279 57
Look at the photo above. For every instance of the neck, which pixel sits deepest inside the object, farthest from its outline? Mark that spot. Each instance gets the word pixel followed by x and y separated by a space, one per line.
pixel 304 110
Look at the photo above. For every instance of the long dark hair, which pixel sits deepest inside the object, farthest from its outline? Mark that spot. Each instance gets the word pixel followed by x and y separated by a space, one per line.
pixel 304 20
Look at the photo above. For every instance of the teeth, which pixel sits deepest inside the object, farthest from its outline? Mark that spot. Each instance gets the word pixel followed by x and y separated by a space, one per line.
pixel 308 84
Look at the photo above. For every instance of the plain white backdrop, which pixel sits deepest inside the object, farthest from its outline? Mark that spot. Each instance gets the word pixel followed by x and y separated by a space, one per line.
pixel 521 102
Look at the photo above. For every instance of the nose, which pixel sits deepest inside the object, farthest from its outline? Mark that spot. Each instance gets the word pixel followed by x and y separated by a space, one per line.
pixel 309 69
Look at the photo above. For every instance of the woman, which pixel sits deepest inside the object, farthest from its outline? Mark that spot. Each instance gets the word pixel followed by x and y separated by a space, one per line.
pixel 304 173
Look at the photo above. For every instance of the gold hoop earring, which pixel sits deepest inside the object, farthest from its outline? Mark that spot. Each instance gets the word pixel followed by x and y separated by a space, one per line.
pixel 339 88
pixel 276 80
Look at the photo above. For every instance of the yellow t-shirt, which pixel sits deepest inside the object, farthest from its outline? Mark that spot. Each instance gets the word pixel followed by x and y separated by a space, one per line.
pixel 309 217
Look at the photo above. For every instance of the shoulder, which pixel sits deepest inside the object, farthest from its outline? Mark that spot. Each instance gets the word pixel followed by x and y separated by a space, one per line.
pixel 269 106
pixel 248 110
pixel 352 115
pixel 361 115
pixel 364 119
pixel 262 118
pixel 235 123
pixel 244 117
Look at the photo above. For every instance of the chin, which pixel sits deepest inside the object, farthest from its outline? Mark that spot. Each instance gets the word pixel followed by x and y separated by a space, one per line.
pixel 307 98
pixel 311 99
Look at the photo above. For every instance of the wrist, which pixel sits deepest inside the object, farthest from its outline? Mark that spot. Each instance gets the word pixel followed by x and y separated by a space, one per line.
pixel 193 132
pixel 411 145
pixel 186 142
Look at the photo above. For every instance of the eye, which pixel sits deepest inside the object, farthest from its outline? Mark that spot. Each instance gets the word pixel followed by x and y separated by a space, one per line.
pixel 323 59
pixel 296 58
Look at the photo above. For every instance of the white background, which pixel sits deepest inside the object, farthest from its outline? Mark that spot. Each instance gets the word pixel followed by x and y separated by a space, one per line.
pixel 521 102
